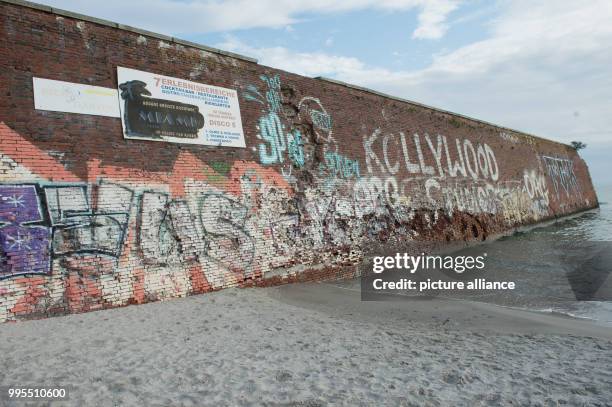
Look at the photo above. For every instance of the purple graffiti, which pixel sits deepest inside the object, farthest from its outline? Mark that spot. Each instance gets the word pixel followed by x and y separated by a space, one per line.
pixel 19 204
pixel 24 248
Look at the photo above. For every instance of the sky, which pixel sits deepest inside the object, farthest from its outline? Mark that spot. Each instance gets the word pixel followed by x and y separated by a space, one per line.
pixel 542 67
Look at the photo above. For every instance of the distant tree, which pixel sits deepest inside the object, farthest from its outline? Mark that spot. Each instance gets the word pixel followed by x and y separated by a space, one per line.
pixel 578 145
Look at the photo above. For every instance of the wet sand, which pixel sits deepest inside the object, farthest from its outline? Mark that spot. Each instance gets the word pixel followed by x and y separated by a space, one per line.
pixel 312 345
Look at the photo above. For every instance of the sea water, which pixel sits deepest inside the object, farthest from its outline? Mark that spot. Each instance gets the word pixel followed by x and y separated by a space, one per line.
pixel 592 235
pixel 564 268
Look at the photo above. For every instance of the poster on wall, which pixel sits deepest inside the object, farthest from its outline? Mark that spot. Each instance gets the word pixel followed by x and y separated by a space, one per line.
pixel 162 108
pixel 60 96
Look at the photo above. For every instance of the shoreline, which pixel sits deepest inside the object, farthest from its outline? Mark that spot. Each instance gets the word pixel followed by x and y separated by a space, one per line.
pixel 463 314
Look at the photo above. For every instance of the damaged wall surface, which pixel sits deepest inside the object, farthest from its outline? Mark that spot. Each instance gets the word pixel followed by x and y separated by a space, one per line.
pixel 90 220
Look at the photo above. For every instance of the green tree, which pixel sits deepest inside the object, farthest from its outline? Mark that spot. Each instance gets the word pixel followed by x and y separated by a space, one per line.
pixel 578 145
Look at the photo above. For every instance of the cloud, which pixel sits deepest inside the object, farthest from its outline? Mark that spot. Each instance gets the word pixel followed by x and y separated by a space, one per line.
pixel 542 62
pixel 432 19
pixel 303 63
pixel 202 16
pixel 348 69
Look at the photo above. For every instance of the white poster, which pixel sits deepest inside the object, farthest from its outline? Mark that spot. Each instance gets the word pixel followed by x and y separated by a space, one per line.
pixel 60 96
pixel 161 108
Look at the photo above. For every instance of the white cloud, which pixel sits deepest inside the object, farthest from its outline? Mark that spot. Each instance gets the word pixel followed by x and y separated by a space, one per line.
pixel 543 61
pixel 303 63
pixel 201 16
pixel 432 19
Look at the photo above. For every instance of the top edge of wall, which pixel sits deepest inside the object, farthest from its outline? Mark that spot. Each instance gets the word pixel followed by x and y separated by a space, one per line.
pixel 124 27
pixel 436 109
pixel 179 41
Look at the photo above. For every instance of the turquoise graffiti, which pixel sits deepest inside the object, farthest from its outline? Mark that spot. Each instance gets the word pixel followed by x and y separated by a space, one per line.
pixel 283 144
pixel 271 131
pixel 341 166
pixel 273 93
pixel 296 148
pixel 278 144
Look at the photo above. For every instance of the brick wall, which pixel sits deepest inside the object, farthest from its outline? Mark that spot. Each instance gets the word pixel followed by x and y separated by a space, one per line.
pixel 328 172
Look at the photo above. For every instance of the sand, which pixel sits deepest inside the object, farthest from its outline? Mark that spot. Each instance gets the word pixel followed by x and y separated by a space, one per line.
pixel 312 345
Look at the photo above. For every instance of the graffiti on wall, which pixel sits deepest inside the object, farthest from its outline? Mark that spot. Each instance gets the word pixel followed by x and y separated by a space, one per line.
pixel 304 200
pixel 279 145
pixel 561 172
pixel 341 166
pixel 445 173
pixel 47 221
pixel 81 227
pixel 477 162
pixel 70 226
pixel 441 172
pixel 170 233
pixel 25 243
pixel 460 175
pixel 283 133
pixel 311 109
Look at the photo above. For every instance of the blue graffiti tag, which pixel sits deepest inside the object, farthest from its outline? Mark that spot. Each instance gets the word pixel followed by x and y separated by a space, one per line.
pixel 341 166
pixel 271 130
pixel 273 93
pixel 277 142
pixel 296 149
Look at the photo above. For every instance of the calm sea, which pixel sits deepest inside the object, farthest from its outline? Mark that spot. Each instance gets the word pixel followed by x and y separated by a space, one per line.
pixel 562 268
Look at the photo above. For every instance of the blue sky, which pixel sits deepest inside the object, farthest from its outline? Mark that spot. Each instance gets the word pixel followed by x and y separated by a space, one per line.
pixel 539 66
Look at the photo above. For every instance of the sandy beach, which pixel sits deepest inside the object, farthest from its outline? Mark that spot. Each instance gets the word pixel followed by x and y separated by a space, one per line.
pixel 312 345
